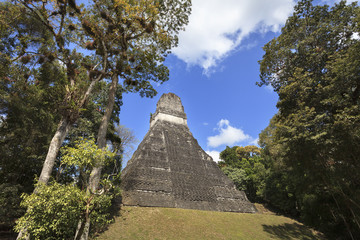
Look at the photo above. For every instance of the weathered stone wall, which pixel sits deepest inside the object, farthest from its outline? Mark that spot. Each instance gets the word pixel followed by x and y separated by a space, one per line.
pixel 169 169
pixel 169 104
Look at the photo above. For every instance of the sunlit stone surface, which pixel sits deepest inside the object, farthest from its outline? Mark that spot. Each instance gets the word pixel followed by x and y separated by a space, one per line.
pixel 169 168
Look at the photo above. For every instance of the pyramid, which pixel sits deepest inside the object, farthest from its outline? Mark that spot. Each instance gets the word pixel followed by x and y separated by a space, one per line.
pixel 170 169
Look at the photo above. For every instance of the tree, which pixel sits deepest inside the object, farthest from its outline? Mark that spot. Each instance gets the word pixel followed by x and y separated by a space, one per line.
pixel 148 31
pixel 126 39
pixel 237 175
pixel 228 157
pixel 313 66
pixel 128 140
pixel 54 212
pixel 246 168
pixel 28 123
pixel 282 189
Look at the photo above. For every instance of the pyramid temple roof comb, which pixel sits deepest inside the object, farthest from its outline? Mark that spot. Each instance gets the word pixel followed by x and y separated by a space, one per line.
pixel 169 108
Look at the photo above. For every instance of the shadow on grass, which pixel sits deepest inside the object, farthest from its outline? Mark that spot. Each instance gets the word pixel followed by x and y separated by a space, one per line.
pixel 291 231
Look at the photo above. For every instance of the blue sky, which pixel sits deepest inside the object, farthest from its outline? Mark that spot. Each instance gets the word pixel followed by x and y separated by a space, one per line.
pixel 214 70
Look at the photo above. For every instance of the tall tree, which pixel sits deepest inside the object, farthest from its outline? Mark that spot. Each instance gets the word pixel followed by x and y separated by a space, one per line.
pixel 283 187
pixel 246 168
pixel 124 38
pixel 148 31
pixel 28 122
pixel 313 66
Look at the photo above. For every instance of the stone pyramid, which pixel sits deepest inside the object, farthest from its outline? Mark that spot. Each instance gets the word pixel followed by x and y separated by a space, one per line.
pixel 169 168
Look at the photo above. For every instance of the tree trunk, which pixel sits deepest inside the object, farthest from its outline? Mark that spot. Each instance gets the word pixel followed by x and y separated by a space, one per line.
pixel 82 231
pixel 101 138
pixel 23 234
pixel 101 142
pixel 55 144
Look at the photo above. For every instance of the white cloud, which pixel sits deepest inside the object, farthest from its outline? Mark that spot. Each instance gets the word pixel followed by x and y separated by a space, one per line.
pixel 228 135
pixel 223 123
pixel 255 142
pixel 215 155
pixel 216 28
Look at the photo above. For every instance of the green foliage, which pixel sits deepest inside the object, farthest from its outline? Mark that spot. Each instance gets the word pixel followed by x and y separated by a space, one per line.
pixel 314 139
pixel 280 191
pixel 10 203
pixel 28 112
pixel 126 39
pixel 100 215
pixel 237 175
pixel 56 58
pixel 81 157
pixel 228 156
pixel 280 188
pixel 54 210
pixel 85 154
pixel 245 167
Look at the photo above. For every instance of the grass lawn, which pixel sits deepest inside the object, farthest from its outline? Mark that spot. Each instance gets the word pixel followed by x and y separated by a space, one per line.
pixel 172 223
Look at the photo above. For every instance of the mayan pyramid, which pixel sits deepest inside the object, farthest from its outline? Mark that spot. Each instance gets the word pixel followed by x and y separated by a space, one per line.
pixel 170 169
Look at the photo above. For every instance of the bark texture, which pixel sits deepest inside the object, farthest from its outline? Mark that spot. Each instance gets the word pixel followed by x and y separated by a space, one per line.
pixel 55 144
pixel 101 141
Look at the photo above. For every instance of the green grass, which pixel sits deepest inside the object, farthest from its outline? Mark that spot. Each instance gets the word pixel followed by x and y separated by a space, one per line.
pixel 171 223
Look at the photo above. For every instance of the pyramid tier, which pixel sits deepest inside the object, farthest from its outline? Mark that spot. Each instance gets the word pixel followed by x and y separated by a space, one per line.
pixel 170 169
